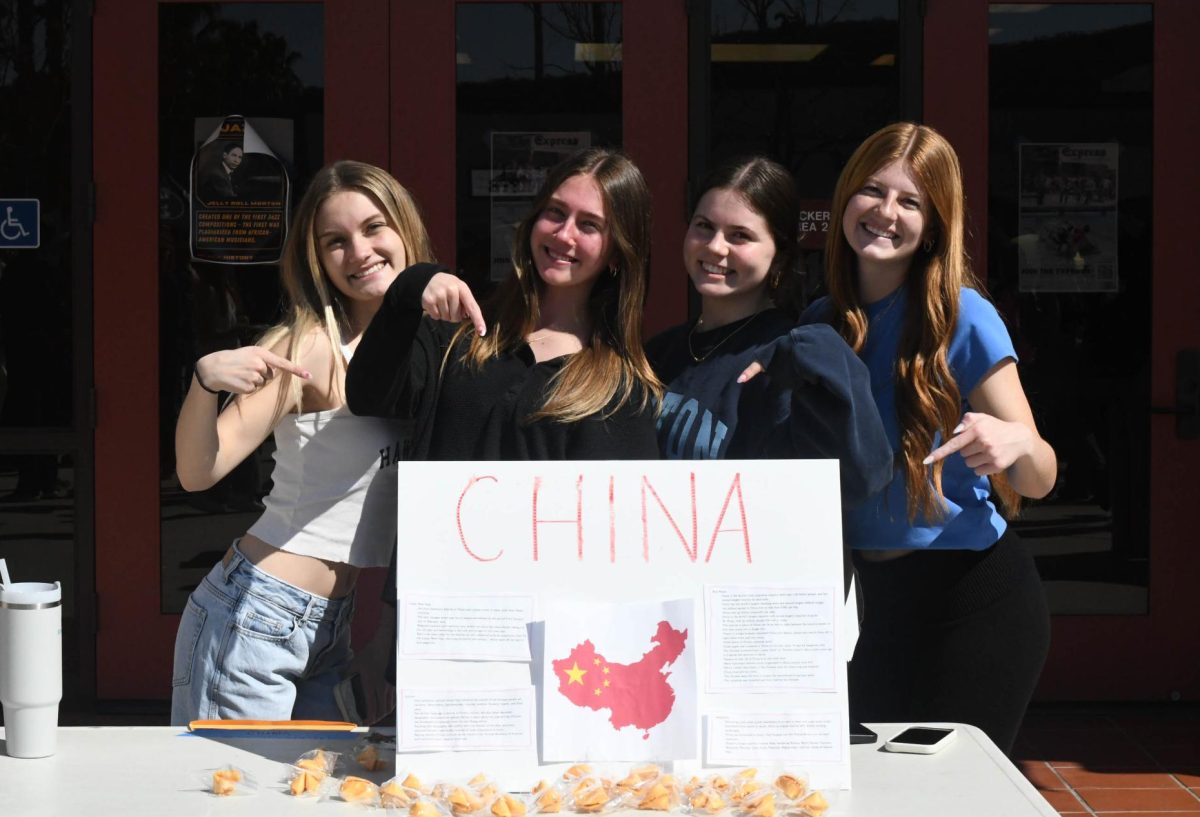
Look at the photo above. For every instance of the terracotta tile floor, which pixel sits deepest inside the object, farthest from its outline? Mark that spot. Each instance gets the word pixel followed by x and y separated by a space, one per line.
pixel 1141 760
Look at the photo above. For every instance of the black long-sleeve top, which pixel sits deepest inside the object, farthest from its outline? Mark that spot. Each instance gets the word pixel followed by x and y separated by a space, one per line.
pixel 474 413
pixel 460 412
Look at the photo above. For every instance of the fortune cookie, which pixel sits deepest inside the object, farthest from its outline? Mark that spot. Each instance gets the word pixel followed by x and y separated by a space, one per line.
pixel 655 797
pixel 578 770
pixel 549 801
pixel 693 785
pixel 488 792
pixel 319 762
pixel 791 786
pixel 412 782
pixel 762 806
pixel 744 789
pixel 369 758
pixel 745 774
pixel 710 801
pixel 477 781
pixel 357 790
pixel 394 795
pixel 590 798
pixel 815 803
pixel 508 806
pixel 305 782
pixel 464 801
pixel 225 781
pixel 423 808
pixel 719 783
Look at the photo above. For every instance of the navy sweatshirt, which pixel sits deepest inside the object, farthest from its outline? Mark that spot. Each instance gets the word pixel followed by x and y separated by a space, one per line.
pixel 813 401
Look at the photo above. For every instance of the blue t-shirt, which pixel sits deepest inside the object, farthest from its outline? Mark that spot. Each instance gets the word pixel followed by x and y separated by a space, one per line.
pixel 971 521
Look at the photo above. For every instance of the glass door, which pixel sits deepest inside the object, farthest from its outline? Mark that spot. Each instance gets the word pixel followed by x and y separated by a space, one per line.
pixel 210 119
pixel 1076 194
pixel 195 98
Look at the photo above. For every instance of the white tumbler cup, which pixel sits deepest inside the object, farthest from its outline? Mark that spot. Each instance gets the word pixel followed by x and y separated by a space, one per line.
pixel 30 666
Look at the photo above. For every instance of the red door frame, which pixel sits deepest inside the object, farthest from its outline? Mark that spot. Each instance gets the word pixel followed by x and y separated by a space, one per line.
pixel 1147 657
pixel 369 49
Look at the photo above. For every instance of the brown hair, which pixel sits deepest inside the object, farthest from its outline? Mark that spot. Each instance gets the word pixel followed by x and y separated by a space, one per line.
pixel 611 369
pixel 928 400
pixel 768 189
pixel 311 300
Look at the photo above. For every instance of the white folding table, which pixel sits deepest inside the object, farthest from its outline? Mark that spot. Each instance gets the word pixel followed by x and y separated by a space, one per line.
pixel 152 771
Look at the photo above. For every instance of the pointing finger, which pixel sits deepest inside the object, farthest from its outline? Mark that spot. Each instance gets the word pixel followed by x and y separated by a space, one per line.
pixel 940 453
pixel 471 311
pixel 750 372
pixel 277 362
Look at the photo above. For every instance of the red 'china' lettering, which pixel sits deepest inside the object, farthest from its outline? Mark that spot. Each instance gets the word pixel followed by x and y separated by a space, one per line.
pixel 692 548
pixel 577 520
pixel 691 551
pixel 736 486
pixel 462 537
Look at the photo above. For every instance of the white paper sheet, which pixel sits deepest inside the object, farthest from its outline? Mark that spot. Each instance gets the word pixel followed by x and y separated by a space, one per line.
pixel 620 681
pixel 771 638
pixel 741 738
pixel 464 719
pixel 474 627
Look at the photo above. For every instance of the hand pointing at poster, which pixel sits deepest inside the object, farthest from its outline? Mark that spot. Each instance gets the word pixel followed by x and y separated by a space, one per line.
pixel 448 298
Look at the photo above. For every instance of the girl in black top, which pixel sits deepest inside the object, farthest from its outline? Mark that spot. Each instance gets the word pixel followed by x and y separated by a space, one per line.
pixel 554 368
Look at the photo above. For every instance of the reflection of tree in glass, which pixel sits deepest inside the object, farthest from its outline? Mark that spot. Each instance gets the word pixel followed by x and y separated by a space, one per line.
pixel 789 14
pixel 579 23
pixel 230 65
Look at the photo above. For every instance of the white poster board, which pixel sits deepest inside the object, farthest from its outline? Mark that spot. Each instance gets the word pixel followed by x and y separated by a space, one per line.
pixel 689 613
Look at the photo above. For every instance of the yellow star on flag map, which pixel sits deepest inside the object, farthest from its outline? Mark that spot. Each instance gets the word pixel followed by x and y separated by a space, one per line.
pixel 575 674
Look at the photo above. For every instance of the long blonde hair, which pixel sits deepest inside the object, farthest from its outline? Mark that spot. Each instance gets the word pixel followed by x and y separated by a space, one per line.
pixel 611 369
pixel 928 400
pixel 311 301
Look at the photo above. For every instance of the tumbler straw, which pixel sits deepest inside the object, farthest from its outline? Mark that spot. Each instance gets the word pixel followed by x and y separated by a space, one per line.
pixel 4 573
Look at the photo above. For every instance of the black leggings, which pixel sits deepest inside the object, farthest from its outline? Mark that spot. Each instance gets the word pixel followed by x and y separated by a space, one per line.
pixel 951 635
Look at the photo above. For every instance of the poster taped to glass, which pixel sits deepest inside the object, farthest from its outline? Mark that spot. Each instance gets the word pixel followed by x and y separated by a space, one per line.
pixel 239 197
pixel 1067 231
pixel 519 164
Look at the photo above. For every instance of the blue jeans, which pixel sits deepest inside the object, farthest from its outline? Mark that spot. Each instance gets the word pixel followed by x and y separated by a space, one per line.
pixel 253 646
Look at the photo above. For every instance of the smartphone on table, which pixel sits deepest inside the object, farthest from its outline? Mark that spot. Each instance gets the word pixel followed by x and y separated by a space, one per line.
pixel 921 740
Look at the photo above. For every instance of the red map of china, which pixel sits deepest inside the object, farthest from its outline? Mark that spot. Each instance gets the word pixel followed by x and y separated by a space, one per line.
pixel 636 694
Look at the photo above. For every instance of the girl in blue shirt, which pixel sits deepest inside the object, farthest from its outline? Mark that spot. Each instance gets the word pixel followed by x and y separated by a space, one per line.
pixel 956 626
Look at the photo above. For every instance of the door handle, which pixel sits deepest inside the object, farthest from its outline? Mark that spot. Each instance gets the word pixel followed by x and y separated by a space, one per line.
pixel 1187 395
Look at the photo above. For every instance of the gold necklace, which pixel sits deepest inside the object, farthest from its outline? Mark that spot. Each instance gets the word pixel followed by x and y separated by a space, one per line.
pixel 720 343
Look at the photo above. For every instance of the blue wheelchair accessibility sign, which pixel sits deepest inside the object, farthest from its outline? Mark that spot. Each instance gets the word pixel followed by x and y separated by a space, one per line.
pixel 20 222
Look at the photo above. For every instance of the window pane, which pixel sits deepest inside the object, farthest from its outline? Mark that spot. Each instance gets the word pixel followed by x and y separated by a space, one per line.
pixel 536 81
pixel 36 331
pixel 263 61
pixel 803 83
pixel 1069 265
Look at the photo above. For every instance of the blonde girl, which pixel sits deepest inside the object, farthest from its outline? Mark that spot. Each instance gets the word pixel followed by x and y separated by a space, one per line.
pixel 266 634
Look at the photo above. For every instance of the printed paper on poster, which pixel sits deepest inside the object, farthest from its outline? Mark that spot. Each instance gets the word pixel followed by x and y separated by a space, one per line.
pixel 763 737
pixel 481 628
pixel 770 639
pixel 464 719
pixel 620 681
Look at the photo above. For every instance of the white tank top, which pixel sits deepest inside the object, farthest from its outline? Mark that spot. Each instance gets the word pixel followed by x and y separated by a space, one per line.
pixel 334 492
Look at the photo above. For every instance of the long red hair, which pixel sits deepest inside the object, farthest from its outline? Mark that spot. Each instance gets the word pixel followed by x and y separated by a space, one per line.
pixel 928 400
